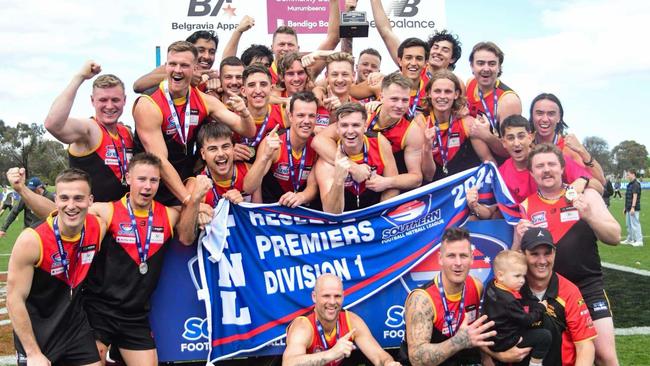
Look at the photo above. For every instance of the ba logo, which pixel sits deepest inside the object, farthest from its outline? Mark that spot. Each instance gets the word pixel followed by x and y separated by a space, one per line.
pixel 199 8
pixel 195 329
pixel 409 211
pixel 404 8
pixel 484 249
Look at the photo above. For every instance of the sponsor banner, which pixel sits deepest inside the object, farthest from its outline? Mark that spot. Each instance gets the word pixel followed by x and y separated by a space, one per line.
pixel 255 255
pixel 180 18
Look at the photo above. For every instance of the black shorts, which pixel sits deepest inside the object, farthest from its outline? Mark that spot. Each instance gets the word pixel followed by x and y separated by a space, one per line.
pixel 121 333
pixel 598 304
pixel 81 350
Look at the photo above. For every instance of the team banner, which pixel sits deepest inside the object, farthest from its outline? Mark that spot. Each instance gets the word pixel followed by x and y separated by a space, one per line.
pixel 259 263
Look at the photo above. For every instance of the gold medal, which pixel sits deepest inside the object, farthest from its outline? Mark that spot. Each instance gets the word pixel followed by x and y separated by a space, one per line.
pixel 570 194
pixel 252 151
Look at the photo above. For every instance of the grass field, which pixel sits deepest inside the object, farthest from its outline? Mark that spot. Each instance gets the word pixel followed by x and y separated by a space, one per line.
pixel 627 291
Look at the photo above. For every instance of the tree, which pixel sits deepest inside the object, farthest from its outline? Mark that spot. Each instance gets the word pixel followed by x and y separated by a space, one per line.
pixel 24 146
pixel 630 154
pixel 599 149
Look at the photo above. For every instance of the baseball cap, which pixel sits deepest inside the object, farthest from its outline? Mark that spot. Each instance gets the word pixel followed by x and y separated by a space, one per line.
pixel 536 236
pixel 34 183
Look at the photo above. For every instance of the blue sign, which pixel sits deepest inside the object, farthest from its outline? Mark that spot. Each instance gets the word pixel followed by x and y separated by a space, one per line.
pixel 256 255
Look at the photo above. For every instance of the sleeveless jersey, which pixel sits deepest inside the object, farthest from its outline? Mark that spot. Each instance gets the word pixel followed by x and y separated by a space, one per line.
pixel 222 187
pixel 182 157
pixel 273 69
pixel 376 163
pixel 323 114
pixel 316 341
pixel 115 284
pixel 277 180
pixel 396 135
pixel 577 256
pixel 56 314
pixel 474 99
pixel 322 117
pixel 103 163
pixel 460 152
pixel 440 330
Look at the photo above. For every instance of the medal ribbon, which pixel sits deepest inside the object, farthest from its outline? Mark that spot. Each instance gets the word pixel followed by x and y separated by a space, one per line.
pixel 175 119
pixel 121 163
pixel 62 253
pixel 258 138
pixel 445 306
pixel 321 333
pixel 444 149
pixel 295 182
pixel 215 194
pixel 494 123
pixel 142 252
pixel 416 100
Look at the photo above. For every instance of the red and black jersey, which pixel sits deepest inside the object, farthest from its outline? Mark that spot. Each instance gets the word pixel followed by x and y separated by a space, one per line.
pixel 577 255
pixel 103 163
pixel 55 312
pixel 376 162
pixel 181 156
pixel 224 186
pixel 115 284
pixel 567 318
pixel 395 134
pixel 460 152
pixel 277 180
pixel 474 99
pixel 322 117
pixel 273 69
pixel 317 345
pixel 440 332
pixel 276 118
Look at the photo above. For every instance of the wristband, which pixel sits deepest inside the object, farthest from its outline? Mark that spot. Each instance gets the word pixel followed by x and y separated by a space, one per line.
pixel 589 163
pixel 586 179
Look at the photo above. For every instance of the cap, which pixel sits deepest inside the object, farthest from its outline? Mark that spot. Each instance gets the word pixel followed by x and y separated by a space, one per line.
pixel 34 183
pixel 536 236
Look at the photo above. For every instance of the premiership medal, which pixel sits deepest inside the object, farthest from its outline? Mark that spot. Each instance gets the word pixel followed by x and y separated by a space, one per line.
pixel 444 169
pixel 570 194
pixel 251 149
pixel 143 267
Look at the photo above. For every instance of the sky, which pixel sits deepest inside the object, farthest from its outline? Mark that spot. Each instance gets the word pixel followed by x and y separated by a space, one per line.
pixel 592 54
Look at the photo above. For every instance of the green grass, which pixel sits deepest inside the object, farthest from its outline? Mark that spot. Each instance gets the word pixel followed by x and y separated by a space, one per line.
pixel 628 255
pixel 7 242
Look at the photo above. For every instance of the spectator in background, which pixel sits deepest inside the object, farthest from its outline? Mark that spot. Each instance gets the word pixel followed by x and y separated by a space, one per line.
pixel 632 211
pixel 617 188
pixel 7 200
pixel 37 186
